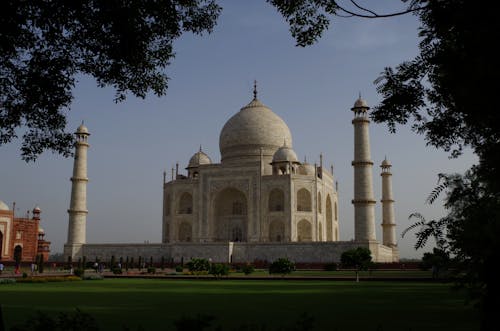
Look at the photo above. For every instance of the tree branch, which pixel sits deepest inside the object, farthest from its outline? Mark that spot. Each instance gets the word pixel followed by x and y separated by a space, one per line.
pixel 374 14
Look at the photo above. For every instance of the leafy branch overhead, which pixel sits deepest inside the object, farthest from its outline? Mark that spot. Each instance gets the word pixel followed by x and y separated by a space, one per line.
pixel 45 44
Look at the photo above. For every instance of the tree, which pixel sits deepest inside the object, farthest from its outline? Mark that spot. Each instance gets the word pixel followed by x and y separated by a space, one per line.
pixel 445 93
pixel 45 44
pixel 358 258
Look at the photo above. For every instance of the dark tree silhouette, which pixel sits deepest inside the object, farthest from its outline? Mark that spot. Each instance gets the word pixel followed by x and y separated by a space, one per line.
pixel 45 44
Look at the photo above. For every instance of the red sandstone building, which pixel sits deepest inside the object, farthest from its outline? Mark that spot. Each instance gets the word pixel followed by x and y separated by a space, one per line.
pixel 21 236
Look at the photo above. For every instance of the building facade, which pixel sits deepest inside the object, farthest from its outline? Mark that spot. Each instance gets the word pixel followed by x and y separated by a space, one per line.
pixel 21 236
pixel 259 203
pixel 259 192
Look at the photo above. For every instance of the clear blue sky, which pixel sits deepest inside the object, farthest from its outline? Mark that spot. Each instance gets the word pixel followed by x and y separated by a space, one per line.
pixel 311 88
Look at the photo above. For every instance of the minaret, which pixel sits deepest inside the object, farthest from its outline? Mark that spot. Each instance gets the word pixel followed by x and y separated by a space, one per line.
pixel 388 221
pixel 364 201
pixel 78 205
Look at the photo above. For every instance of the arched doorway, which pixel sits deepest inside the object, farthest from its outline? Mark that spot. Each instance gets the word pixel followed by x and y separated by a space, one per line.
pixel 304 231
pixel 303 200
pixel 231 220
pixel 18 254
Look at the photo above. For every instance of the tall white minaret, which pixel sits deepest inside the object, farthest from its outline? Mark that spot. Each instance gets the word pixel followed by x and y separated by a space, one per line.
pixel 364 201
pixel 388 219
pixel 78 205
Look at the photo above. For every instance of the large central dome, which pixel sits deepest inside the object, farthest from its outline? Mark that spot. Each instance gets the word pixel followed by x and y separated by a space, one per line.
pixel 254 127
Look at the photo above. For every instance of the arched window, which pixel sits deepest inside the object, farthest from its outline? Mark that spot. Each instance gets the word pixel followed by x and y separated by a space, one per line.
pixel 303 200
pixel 320 238
pixel 336 212
pixel 304 231
pixel 186 203
pixel 18 254
pixel 320 203
pixel 329 219
pixel 276 200
pixel 167 204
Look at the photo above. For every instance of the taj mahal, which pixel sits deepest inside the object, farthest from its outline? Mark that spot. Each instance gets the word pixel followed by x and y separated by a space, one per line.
pixel 259 203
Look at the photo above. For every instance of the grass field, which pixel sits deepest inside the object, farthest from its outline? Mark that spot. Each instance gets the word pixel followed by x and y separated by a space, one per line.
pixel 334 305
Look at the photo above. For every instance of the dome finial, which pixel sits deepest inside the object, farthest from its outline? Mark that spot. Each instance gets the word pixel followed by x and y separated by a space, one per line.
pixel 360 94
pixel 255 89
pixel 201 149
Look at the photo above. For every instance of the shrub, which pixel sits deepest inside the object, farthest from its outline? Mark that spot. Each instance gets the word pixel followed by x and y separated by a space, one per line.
pixel 219 270
pixel 117 271
pixel 179 268
pixel 197 266
pixel 282 266
pixel 93 277
pixel 331 266
pixel 79 272
pixel 7 281
pixel 48 279
pixel 151 270
pixel 248 269
pixel 25 275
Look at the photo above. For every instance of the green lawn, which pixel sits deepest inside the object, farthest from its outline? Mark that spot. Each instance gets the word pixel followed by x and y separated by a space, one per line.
pixel 334 305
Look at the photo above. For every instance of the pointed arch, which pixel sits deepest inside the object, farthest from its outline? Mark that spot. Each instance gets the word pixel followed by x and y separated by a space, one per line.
pixel 320 203
pixel 276 200
pixel 304 231
pixel 230 215
pixel 320 231
pixel 329 219
pixel 303 200
pixel 186 203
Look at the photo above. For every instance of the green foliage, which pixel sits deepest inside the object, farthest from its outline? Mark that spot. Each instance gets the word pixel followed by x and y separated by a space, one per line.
pixel 282 266
pixel 79 272
pixel 248 268
pixel 117 271
pixel 198 265
pixel 7 281
pixel 151 270
pixel 77 321
pixel 219 269
pixel 48 279
pixel 179 268
pixel 123 44
pixel 92 277
pixel 438 261
pixel 358 258
pixel 25 275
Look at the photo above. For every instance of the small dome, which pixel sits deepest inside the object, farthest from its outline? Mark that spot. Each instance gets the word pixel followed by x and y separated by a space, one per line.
pixel 199 158
pixel 306 169
pixel 37 209
pixel 82 129
pixel 41 230
pixel 360 103
pixel 285 153
pixel 386 163
pixel 3 206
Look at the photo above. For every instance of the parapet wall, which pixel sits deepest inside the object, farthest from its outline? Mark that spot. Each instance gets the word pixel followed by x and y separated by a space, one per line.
pixel 237 252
